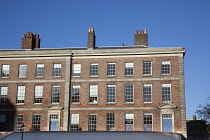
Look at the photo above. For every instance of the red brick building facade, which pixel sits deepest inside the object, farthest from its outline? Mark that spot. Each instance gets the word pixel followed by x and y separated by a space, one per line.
pixel 123 88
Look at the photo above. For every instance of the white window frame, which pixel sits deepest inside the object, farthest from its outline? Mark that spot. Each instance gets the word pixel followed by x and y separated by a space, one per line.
pixel 39 72
pixel 166 85
pixel 93 93
pixel 75 121
pixel 129 116
pixel 76 70
pixel 145 120
pixel 53 98
pixel 163 65
pixel 57 70
pixel 5 71
pixel 72 92
pixel 93 74
pixel 22 70
pixel 19 122
pixel 113 97
pixel 91 124
pixel 126 96
pixel 21 94
pixel 111 71
pixel 147 69
pixel 38 93
pixel 110 126
pixel 3 94
pixel 172 117
pixel 129 68
pixel 147 85
pixel 36 123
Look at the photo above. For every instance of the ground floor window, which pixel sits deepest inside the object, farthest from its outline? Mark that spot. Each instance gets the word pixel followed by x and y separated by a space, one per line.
pixel 110 121
pixel 92 122
pixel 75 122
pixel 129 122
pixel 54 123
pixel 147 122
pixel 36 122
pixel 2 122
pixel 19 122
pixel 167 123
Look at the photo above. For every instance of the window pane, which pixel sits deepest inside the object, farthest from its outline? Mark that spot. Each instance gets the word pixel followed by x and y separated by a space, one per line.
pixel 5 70
pixel 22 70
pixel 128 68
pixel 38 94
pixel 93 69
pixel 110 121
pixel 147 68
pixel 55 94
pixel 56 70
pixel 75 94
pixel 129 93
pixel 3 95
pixel 92 122
pixel 147 122
pixel 147 91
pixel 93 94
pixel 36 119
pixel 129 122
pixel 74 122
pixel 19 122
pixel 76 69
pixel 39 70
pixel 2 122
pixel 110 93
pixel 166 92
pixel 20 94
pixel 166 67
pixel 111 69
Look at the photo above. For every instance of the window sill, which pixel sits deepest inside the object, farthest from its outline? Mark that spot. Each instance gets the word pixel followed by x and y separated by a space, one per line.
pixel 75 103
pixel 93 103
pixel 166 74
pixel 57 76
pixel 111 103
pixel 129 103
pixel 147 102
pixel 39 77
pixel 5 77
pixel 111 76
pixel 93 76
pixel 37 104
pixel 21 77
pixel 145 75
pixel 76 76
pixel 129 75
pixel 20 104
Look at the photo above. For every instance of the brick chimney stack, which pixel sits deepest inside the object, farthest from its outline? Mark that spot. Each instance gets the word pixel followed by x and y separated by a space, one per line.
pixel 30 41
pixel 141 37
pixel 91 38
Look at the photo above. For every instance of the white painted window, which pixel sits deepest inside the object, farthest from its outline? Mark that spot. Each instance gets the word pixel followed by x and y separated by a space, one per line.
pixel 128 68
pixel 38 94
pixel 129 90
pixel 76 69
pixel 22 70
pixel 3 94
pixel 111 69
pixel 92 122
pixel 111 93
pixel 39 70
pixel 129 122
pixel 94 69
pixel 147 121
pixel 147 68
pixel 5 70
pixel 20 95
pixel 166 92
pixel 56 70
pixel 147 93
pixel 166 67
pixel 75 122
pixel 93 98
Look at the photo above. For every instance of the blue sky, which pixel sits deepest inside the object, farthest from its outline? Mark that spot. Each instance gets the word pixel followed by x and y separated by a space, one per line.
pixel 170 23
